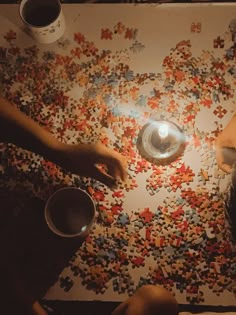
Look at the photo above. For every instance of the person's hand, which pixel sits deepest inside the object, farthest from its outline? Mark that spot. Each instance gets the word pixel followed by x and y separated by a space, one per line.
pixel 90 160
pixel 93 160
pixel 226 147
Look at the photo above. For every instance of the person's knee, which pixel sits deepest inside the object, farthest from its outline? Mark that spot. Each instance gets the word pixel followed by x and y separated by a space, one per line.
pixel 157 300
pixel 149 300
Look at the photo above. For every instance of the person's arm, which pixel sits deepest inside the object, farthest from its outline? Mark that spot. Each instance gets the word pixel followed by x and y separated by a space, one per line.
pixel 82 159
pixel 226 146
pixel 19 129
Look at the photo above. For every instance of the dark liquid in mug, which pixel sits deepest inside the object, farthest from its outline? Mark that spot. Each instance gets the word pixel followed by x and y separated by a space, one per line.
pixel 70 220
pixel 71 212
pixel 41 15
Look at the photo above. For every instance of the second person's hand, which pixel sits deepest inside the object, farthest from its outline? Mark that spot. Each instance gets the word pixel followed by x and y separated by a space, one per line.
pixel 226 146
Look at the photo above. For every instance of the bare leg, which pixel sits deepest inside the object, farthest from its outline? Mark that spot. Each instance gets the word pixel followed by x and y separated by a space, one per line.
pixel 149 300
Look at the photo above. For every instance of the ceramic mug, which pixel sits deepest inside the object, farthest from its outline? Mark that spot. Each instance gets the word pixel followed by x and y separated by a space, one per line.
pixel 70 212
pixel 43 19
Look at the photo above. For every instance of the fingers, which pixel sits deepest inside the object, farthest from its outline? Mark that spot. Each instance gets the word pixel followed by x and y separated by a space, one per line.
pixel 100 163
pixel 221 159
pixel 114 169
pixel 221 163
pixel 219 156
pixel 114 162
pixel 118 169
pixel 226 168
pixel 104 178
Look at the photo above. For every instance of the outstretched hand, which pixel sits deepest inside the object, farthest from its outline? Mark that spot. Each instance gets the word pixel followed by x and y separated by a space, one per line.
pixel 93 160
pixel 90 160
pixel 226 146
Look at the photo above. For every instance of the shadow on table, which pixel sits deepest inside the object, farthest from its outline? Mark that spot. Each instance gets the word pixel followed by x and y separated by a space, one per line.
pixel 28 248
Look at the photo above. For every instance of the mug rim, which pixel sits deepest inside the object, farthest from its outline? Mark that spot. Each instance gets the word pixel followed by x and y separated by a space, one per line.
pixel 53 228
pixel 23 2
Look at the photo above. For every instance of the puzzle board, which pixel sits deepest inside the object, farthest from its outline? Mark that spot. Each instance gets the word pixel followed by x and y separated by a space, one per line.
pixel 116 68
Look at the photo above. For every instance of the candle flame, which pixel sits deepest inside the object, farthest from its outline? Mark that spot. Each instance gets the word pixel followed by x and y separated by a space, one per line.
pixel 163 131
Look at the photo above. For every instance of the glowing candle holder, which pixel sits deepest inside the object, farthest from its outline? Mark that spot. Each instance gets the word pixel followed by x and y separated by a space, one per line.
pixel 161 142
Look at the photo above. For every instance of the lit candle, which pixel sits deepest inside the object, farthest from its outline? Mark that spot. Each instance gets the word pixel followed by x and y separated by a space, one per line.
pixel 163 131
